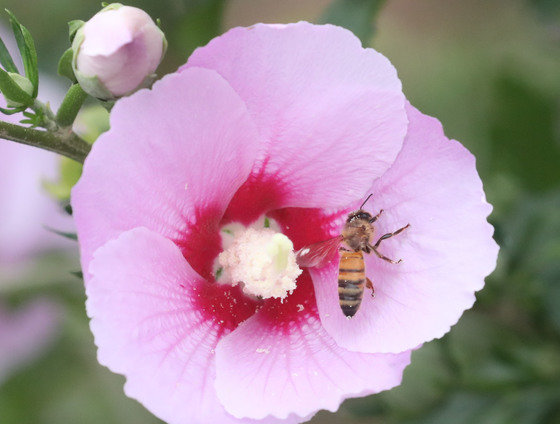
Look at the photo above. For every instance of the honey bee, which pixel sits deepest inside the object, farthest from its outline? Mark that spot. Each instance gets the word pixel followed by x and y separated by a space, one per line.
pixel 356 238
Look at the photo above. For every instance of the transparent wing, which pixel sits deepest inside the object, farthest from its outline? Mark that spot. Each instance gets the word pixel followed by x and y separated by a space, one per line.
pixel 318 254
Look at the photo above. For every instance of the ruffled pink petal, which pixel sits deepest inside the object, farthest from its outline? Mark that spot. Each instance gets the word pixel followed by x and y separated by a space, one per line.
pixel 174 157
pixel 144 316
pixel 331 112
pixel 269 365
pixel 446 252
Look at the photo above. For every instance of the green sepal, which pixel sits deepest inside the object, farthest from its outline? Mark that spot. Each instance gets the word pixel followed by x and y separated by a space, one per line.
pixel 27 50
pixel 12 91
pixel 73 27
pixel 111 6
pixel 93 86
pixel 6 60
pixel 65 65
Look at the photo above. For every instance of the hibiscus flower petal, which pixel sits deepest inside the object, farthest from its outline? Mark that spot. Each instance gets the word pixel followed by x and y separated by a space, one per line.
pixel 275 364
pixel 141 301
pixel 174 157
pixel 446 252
pixel 331 113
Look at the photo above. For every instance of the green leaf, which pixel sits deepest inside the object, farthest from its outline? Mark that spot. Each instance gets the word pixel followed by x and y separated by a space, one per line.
pixel 27 50
pixel 12 111
pixel 70 236
pixel 6 59
pixel 356 15
pixel 12 91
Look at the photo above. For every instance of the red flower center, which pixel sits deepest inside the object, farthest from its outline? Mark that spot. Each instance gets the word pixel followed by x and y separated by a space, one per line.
pixel 228 306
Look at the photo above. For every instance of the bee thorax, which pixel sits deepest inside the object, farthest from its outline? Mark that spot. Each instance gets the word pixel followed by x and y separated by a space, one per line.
pixel 357 234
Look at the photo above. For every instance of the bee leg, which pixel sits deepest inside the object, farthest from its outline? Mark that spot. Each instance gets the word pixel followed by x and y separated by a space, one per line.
pixel 385 258
pixel 372 220
pixel 389 235
pixel 369 285
pixel 385 237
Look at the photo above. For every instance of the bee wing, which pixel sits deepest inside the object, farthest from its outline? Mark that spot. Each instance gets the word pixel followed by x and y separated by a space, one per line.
pixel 318 253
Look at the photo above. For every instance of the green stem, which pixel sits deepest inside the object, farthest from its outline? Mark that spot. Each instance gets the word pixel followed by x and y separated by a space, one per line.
pixel 50 120
pixel 70 106
pixel 63 142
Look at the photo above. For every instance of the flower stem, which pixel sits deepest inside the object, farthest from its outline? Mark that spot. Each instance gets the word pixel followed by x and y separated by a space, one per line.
pixel 61 141
pixel 70 106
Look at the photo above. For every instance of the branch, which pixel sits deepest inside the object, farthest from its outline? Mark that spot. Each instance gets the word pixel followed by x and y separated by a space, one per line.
pixel 67 143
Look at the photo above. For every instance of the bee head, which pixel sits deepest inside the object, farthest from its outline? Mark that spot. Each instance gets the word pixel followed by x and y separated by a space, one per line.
pixel 359 215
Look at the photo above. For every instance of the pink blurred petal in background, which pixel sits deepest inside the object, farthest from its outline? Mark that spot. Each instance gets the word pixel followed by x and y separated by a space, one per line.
pixel 26 333
pixel 25 208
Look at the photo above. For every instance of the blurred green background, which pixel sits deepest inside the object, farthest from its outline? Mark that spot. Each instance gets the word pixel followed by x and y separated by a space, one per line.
pixel 490 71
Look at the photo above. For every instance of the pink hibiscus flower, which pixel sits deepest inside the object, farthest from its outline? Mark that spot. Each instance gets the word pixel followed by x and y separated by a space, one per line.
pixel 297 123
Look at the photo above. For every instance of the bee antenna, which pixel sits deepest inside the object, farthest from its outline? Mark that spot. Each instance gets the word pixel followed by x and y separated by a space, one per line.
pixel 365 201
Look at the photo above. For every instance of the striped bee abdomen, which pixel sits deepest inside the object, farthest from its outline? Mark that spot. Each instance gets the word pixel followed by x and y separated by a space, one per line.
pixel 351 281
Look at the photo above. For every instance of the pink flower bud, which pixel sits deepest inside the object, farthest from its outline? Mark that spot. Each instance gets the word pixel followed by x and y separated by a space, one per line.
pixel 117 51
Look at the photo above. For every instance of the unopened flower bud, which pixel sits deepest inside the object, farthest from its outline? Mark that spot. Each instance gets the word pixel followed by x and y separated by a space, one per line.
pixel 117 51
pixel 22 83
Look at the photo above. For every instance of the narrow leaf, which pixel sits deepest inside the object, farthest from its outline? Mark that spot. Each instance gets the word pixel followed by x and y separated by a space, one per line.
pixel 27 50
pixel 13 91
pixel 71 236
pixel 6 59
pixel 12 111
